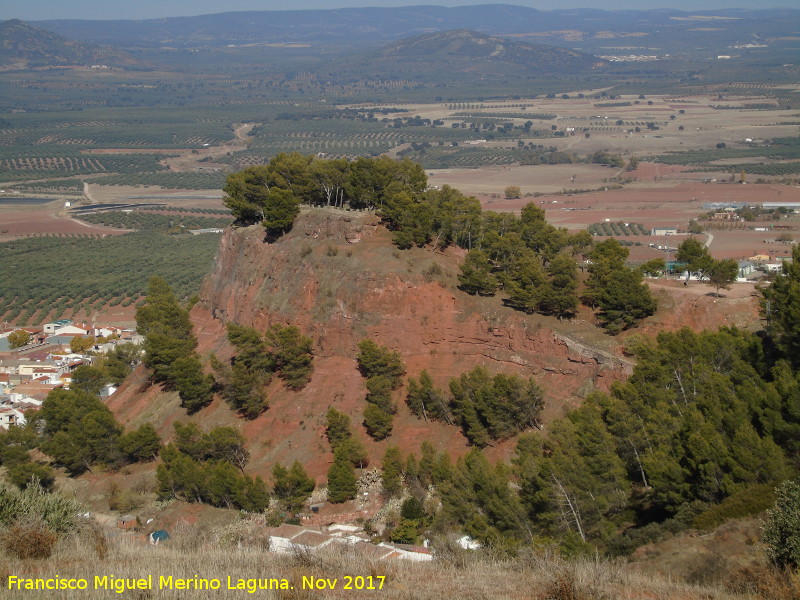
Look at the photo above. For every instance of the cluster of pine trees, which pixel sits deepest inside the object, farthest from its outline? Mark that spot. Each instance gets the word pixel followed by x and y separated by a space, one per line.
pixel 271 194
pixel 534 265
pixel 209 467
pixel 703 418
pixel 486 407
pixel 348 453
pixel 170 346
pixel 532 262
pixel 383 370
pixel 704 425
pixel 78 432
pixel 292 486
pixel 281 350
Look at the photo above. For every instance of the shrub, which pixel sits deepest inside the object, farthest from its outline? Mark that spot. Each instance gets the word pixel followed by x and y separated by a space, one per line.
pixel 762 581
pixel 435 271
pixel 751 501
pixel 782 530
pixel 23 474
pixel 29 539
pixel 58 512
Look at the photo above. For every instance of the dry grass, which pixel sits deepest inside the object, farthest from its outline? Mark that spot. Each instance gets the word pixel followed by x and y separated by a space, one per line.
pixel 535 575
pixel 765 582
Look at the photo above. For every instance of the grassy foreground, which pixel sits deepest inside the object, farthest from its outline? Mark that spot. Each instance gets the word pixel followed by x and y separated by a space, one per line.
pixel 456 574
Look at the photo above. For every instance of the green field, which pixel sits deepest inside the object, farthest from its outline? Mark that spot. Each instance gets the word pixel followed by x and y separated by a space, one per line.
pixel 64 274
pixel 173 222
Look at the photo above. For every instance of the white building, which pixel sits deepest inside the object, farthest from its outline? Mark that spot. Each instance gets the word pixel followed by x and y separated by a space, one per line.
pixel 11 416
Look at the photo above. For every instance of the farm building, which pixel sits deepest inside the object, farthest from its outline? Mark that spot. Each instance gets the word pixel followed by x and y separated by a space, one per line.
pixel 746 268
pixel 664 231
pixel 126 522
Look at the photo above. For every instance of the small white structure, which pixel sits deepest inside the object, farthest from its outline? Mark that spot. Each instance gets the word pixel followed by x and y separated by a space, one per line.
pixel 664 231
pixel 468 543
pixel 745 268
pixel 11 416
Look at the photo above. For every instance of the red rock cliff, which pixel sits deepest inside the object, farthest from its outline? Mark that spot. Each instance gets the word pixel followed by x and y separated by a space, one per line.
pixel 337 277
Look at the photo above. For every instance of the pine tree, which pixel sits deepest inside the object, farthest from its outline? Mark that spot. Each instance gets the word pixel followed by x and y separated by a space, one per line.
pixel 559 297
pixel 342 483
pixel 293 355
pixel 253 495
pixel 624 300
pixel 142 444
pixel 337 427
pixel 525 282
pixel 392 471
pixel 479 498
pixel 427 463
pixel 354 451
pixel 581 473
pixel 476 277
pixel 781 308
pixel 374 360
pixel 293 487
pixel 379 393
pixel 378 422
pixel 425 400
pixel 194 388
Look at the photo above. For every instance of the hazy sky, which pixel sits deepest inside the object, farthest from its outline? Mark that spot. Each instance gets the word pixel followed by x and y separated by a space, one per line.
pixel 35 10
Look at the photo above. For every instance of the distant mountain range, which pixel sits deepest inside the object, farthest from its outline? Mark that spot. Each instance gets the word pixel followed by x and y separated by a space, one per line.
pixel 451 52
pixel 406 42
pixel 355 26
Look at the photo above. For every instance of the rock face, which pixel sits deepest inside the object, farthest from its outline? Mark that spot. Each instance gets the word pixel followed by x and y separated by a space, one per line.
pixel 337 277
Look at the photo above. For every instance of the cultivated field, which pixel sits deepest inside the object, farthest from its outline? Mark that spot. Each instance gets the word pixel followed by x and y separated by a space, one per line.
pixel 50 219
pixel 179 157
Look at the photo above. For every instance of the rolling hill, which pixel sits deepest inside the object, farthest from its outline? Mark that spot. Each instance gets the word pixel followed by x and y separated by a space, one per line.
pixel 26 46
pixel 464 51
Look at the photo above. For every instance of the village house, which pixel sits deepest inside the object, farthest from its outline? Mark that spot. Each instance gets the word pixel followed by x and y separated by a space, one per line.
pixel 10 416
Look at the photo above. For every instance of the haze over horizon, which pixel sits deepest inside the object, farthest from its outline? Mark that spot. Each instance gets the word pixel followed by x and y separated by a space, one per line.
pixel 42 10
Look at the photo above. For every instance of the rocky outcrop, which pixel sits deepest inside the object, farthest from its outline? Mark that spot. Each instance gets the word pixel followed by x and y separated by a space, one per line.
pixel 337 277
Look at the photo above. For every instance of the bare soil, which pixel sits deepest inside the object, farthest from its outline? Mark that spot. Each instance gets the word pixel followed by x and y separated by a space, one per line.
pixel 51 220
